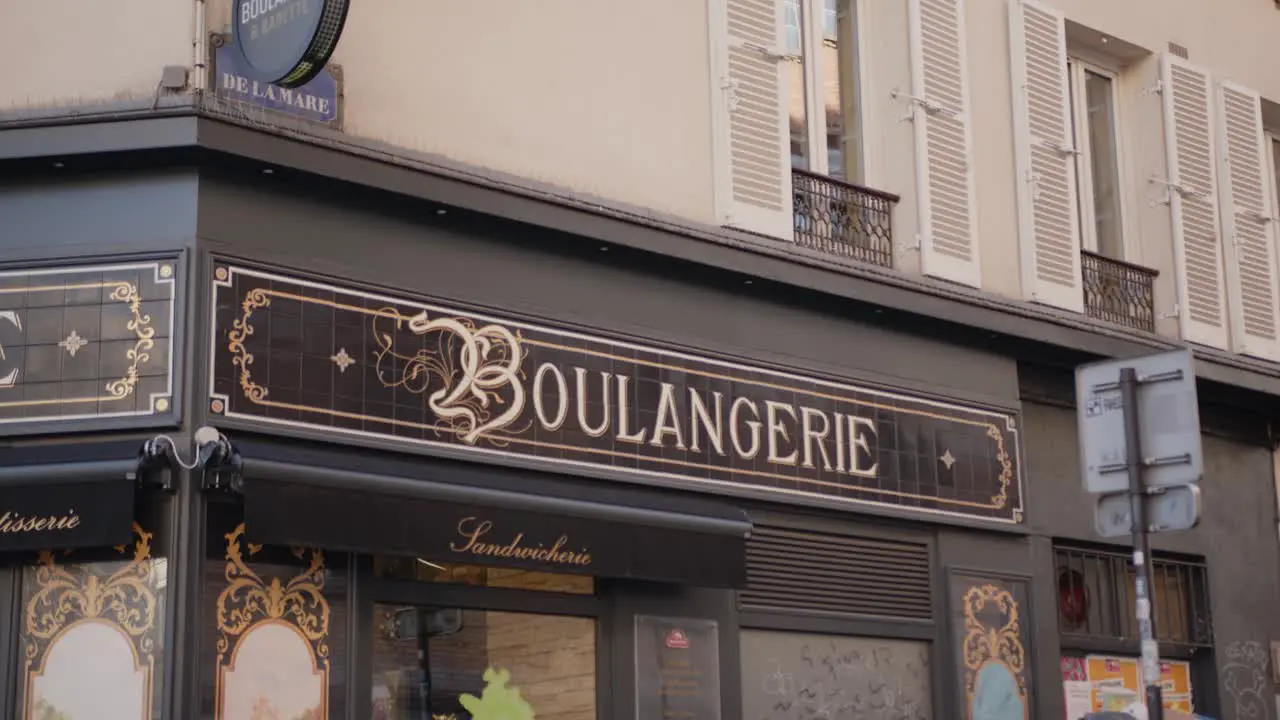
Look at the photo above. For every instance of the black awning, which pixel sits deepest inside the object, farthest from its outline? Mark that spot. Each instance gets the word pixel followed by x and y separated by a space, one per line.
pixel 483 515
pixel 61 496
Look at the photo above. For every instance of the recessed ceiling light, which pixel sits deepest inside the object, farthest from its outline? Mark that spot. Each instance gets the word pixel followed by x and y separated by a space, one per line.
pixel 268 171
pixel 441 211
pixel 747 282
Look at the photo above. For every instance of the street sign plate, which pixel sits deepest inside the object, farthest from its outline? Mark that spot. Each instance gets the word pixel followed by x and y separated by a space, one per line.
pixel 1176 508
pixel 1168 419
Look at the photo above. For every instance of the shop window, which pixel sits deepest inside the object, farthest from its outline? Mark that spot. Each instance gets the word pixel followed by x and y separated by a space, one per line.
pixel 1096 598
pixel 90 634
pixel 799 675
pixel 273 633
pixel 420 570
pixel 457 664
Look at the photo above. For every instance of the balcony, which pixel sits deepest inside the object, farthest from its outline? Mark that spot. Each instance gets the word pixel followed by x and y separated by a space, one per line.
pixel 842 219
pixel 1119 292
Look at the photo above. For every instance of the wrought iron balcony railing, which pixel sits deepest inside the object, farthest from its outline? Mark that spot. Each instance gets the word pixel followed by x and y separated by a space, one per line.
pixel 1119 292
pixel 843 219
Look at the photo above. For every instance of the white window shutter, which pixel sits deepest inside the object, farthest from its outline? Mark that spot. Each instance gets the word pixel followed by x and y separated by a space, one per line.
pixel 944 169
pixel 1193 201
pixel 749 116
pixel 1048 224
pixel 1247 195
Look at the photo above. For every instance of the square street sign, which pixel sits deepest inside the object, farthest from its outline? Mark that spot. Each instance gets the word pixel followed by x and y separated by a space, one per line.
pixel 1177 508
pixel 1168 419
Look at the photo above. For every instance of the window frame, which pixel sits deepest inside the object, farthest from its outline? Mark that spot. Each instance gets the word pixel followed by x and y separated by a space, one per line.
pixel 812 18
pixel 1272 137
pixel 1077 67
pixel 372 591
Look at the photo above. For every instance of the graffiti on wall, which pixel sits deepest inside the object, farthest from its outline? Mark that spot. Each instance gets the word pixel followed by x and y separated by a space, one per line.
pixel 1244 678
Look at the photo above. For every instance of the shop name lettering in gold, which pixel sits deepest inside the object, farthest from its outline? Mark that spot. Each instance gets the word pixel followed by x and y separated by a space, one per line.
pixel 474 532
pixel 599 404
pixel 12 522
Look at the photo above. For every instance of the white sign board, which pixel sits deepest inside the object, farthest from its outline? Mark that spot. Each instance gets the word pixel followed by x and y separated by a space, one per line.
pixel 1168 419
pixel 1174 509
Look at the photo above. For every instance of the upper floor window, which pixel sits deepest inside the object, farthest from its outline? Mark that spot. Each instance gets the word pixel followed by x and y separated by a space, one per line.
pixel 1094 124
pixel 822 87
pixel 1273 142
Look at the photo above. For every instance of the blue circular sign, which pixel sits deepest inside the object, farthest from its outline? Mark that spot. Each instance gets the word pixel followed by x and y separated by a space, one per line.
pixel 286 42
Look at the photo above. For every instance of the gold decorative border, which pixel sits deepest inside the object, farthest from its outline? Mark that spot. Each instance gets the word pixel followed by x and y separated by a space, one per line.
pixel 494 353
pixel 140 324
pixel 248 601
pixel 124 600
pixel 985 644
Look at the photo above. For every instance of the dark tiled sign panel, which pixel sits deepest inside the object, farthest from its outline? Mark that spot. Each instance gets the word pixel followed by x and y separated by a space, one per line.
pixel 86 343
pixel 291 352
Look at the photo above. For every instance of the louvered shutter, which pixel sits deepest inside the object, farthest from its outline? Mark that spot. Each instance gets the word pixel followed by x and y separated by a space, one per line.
pixel 1193 202
pixel 797 570
pixel 751 136
pixel 944 172
pixel 1048 226
pixel 1248 232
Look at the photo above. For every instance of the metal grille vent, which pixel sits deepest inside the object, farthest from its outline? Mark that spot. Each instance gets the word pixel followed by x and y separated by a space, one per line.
pixel 790 570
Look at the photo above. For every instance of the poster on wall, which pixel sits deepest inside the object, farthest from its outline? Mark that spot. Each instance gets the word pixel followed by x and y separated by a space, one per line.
pixel 677 669
pixel 1116 681
pixel 1077 691
pixel 1113 679
pixel 1175 683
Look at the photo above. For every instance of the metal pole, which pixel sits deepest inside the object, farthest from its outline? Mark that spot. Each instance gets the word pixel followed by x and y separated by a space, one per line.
pixel 1141 544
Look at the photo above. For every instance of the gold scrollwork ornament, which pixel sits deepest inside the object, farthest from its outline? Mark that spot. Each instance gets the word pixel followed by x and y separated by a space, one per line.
pixel 71 594
pixel 140 325
pixel 1001 498
pixel 240 332
pixel 985 641
pixel 248 599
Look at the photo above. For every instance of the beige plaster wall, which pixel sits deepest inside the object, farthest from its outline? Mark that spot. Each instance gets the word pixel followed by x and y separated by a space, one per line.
pixel 56 53
pixel 609 98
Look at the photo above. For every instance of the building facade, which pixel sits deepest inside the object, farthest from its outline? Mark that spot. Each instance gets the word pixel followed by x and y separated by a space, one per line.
pixel 528 363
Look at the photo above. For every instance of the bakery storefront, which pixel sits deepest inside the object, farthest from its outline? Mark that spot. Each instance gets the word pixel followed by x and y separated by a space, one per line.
pixel 418 509
pixel 445 471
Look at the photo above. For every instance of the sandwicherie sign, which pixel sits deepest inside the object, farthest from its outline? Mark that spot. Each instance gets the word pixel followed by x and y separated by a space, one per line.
pixel 286 42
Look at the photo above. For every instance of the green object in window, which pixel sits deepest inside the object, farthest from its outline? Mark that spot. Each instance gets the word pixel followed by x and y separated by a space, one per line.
pixel 497 701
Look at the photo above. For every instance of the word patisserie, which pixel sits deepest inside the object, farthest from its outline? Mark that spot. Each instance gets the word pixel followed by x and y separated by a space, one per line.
pixel 11 522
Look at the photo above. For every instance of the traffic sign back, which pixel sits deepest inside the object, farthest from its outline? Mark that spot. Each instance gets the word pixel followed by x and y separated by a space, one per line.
pixel 1168 419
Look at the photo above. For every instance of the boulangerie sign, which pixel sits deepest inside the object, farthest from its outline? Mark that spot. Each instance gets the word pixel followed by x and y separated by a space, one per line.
pixel 295 353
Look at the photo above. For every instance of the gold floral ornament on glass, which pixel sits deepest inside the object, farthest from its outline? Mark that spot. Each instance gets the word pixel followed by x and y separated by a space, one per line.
pixel 269 626
pixel 106 611
pixel 994 658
